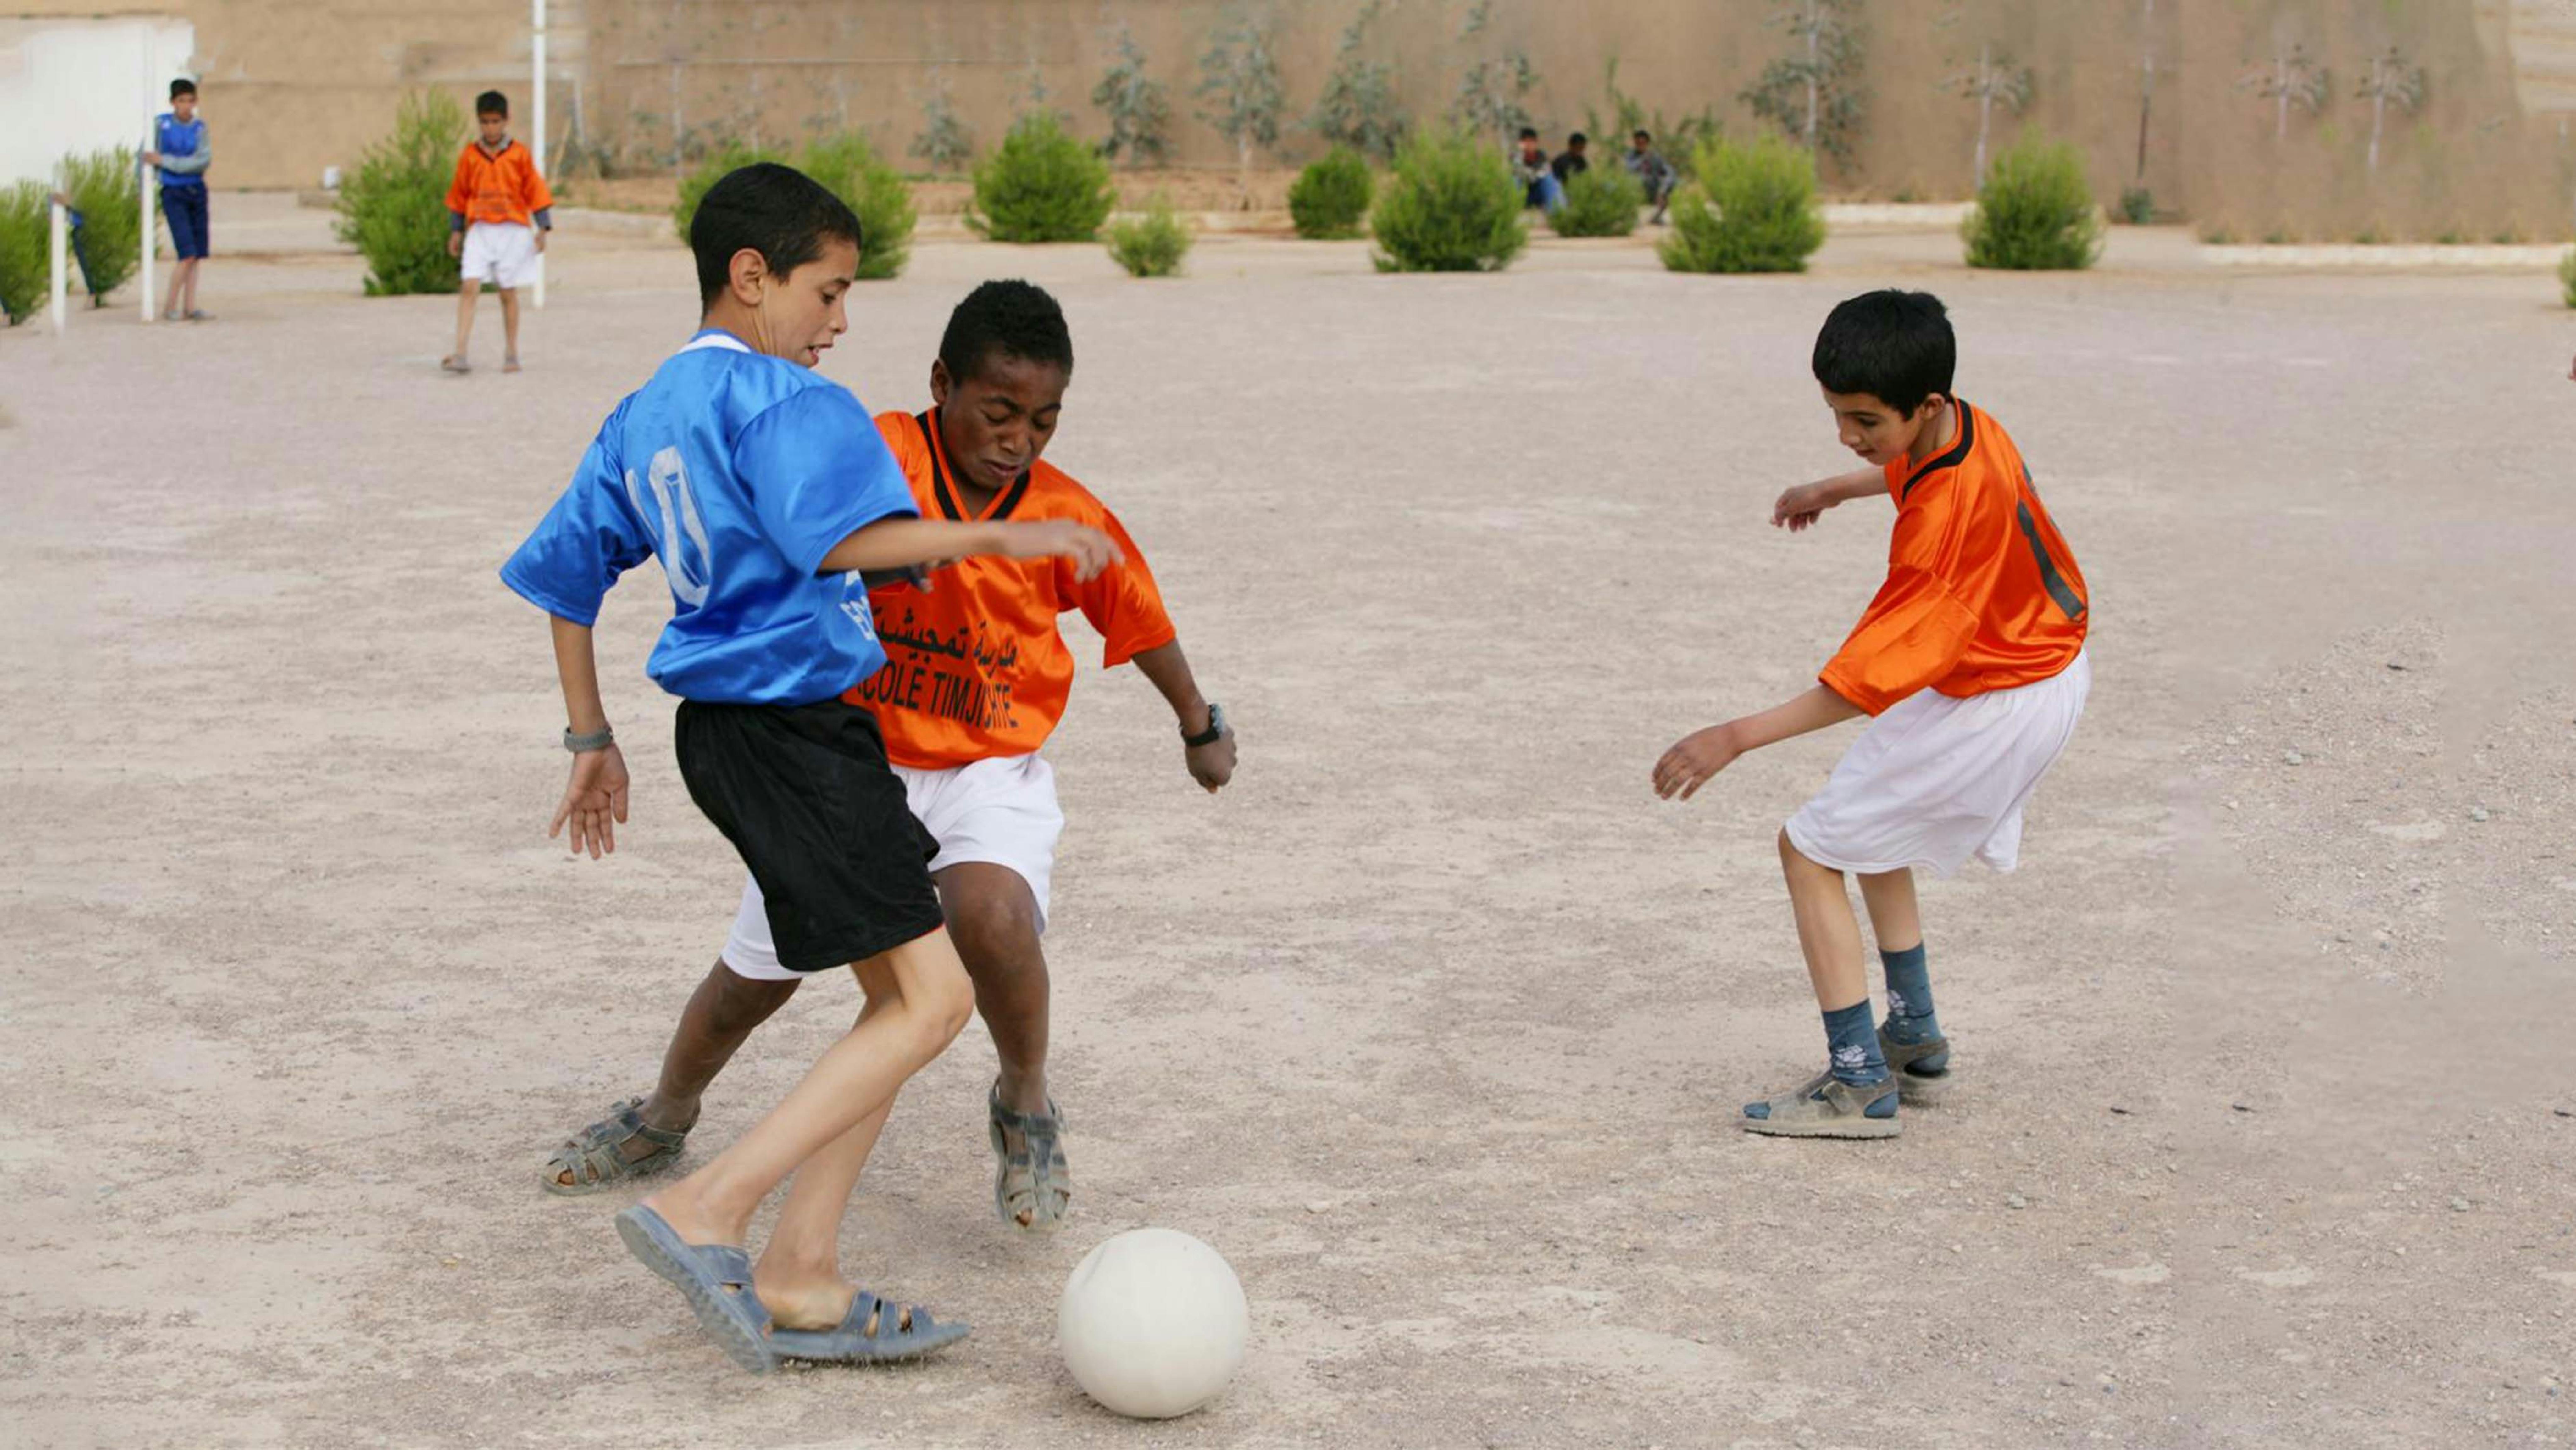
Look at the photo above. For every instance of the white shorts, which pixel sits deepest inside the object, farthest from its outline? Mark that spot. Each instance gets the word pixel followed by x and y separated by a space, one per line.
pixel 500 254
pixel 1935 780
pixel 1001 810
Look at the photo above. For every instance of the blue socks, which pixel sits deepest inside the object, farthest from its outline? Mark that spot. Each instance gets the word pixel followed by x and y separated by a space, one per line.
pixel 1853 1041
pixel 1909 996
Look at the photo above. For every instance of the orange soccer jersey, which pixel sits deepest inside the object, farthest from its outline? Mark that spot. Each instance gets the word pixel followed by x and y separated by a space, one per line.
pixel 976 668
pixel 498 188
pixel 1981 594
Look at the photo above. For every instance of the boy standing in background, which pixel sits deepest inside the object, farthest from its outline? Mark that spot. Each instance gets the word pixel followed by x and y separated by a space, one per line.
pixel 499 212
pixel 182 152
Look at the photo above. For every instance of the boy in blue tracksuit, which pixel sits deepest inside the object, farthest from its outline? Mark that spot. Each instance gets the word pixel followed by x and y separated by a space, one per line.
pixel 182 152
pixel 765 489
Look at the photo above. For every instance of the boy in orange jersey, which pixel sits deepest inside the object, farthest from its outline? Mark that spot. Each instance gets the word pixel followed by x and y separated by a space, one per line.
pixel 499 212
pixel 976 679
pixel 1971 659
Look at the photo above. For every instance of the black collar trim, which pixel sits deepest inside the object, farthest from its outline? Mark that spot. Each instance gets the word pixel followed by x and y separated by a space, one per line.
pixel 940 487
pixel 1952 457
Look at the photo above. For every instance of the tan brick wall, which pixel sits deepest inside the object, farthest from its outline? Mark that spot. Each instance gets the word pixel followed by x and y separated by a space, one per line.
pixel 299 84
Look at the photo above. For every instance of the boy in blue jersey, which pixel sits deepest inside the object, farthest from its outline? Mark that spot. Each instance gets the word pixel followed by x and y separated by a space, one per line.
pixel 182 152
pixel 765 489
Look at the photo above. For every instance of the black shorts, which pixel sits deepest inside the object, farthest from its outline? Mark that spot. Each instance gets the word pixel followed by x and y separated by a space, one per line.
pixel 804 794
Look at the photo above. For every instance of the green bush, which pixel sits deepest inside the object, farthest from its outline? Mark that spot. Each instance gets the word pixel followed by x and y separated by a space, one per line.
pixel 1451 205
pixel 1331 196
pixel 2137 206
pixel 731 157
pixel 103 189
pixel 26 248
pixel 2035 213
pixel 1151 245
pixel 851 169
pixel 2567 276
pixel 394 208
pixel 1753 209
pixel 1041 186
pixel 1601 201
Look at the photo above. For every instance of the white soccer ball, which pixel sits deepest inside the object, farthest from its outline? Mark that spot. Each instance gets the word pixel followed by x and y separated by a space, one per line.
pixel 1153 1324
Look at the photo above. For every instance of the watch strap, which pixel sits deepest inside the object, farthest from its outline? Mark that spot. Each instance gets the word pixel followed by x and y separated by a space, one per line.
pixel 599 739
pixel 1215 731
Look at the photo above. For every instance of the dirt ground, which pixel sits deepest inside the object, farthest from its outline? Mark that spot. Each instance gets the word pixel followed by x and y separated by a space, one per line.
pixel 1435 1023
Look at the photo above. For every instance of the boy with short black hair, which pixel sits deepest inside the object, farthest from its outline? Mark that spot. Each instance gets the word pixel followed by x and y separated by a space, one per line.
pixel 1652 171
pixel 1535 173
pixel 977 678
pixel 764 489
pixel 1573 161
pixel 1971 659
pixel 499 212
pixel 182 152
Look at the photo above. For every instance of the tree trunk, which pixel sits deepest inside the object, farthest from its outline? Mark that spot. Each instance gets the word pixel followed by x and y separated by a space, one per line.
pixel 2281 91
pixel 2378 90
pixel 1815 22
pixel 1243 163
pixel 2146 93
pixel 1985 107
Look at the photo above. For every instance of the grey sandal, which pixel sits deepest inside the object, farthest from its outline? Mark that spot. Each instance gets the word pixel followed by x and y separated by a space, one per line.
pixel 1033 1187
pixel 598 1158
pixel 714 1278
pixel 901 1333
pixel 1922 1069
pixel 1825 1106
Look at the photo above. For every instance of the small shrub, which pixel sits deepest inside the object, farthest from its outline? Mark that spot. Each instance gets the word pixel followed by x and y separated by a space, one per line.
pixel 393 208
pixel 850 169
pixel 1753 210
pixel 1331 196
pixel 102 189
pixel 2137 206
pixel 2035 213
pixel 2508 235
pixel 1449 206
pixel 944 141
pixel 2280 237
pixel 723 161
pixel 2567 277
pixel 1151 245
pixel 2218 234
pixel 1599 202
pixel 2370 236
pixel 1041 186
pixel 26 245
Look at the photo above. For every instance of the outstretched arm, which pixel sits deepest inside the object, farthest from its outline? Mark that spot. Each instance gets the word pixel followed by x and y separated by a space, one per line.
pixel 594 799
pixel 1212 764
pixel 1800 507
pixel 1702 754
pixel 901 543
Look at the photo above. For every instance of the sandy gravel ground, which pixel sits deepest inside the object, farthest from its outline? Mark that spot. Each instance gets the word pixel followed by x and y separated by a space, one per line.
pixel 1435 1023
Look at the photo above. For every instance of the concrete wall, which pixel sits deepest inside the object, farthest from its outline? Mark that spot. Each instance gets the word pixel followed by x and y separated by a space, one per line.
pixel 297 86
pixel 73 86
pixel 292 86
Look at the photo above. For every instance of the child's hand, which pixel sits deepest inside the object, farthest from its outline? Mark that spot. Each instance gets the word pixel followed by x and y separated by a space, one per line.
pixel 541 241
pixel 1800 507
pixel 1090 550
pixel 594 799
pixel 456 244
pixel 151 158
pixel 1693 760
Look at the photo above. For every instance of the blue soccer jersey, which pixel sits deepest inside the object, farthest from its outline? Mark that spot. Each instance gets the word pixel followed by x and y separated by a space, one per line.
pixel 740 472
pixel 181 142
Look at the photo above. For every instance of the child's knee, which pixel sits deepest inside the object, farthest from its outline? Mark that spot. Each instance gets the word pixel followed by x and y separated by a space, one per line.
pixel 942 998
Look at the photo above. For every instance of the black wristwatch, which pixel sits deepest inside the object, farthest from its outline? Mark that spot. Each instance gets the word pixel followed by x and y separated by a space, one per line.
pixel 1211 735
